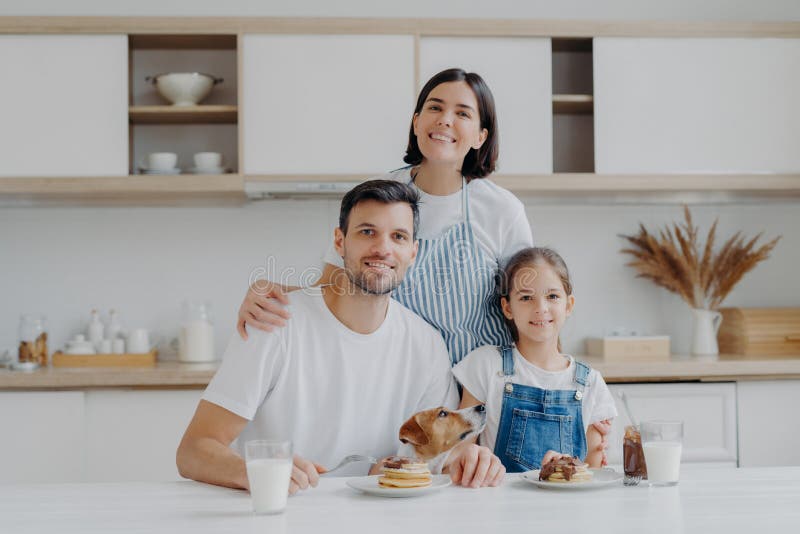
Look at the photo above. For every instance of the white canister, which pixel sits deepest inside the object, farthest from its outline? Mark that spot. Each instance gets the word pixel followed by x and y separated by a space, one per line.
pixel 196 338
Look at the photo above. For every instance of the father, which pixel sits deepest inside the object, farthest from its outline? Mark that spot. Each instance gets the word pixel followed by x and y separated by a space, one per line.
pixel 348 370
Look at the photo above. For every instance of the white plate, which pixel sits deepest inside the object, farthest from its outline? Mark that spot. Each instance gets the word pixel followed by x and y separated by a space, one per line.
pixel 370 486
pixel 602 478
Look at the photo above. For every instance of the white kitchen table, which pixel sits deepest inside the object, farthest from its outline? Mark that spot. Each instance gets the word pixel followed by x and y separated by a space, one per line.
pixel 724 500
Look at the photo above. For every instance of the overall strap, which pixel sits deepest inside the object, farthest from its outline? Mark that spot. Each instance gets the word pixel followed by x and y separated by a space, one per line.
pixel 465 199
pixel 581 377
pixel 507 351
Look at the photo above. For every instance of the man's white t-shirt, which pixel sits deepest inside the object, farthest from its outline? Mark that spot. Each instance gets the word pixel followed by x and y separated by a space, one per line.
pixel 329 390
pixel 497 217
pixel 481 373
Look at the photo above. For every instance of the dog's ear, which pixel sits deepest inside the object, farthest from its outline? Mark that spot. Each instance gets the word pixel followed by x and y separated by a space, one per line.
pixel 412 432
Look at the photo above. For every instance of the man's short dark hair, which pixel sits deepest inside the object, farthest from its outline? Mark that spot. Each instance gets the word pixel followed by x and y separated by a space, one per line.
pixel 383 191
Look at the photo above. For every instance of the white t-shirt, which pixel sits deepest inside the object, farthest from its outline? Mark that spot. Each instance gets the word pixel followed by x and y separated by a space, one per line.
pixel 481 373
pixel 330 390
pixel 497 217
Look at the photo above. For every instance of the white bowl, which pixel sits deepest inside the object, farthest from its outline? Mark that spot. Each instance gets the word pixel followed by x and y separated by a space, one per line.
pixel 184 88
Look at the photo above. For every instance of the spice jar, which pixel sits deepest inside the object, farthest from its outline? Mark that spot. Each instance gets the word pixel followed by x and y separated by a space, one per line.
pixel 633 457
pixel 32 339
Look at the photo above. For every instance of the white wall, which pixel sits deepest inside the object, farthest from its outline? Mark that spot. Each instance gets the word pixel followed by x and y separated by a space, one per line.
pixel 542 9
pixel 64 261
pixel 144 261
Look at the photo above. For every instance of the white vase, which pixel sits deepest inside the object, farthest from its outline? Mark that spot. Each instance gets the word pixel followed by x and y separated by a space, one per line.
pixel 704 331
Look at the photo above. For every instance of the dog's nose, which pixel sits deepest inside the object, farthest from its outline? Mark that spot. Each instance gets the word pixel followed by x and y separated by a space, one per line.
pixel 480 408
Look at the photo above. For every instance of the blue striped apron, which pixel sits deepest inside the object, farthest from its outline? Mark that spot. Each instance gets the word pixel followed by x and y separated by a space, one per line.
pixel 452 285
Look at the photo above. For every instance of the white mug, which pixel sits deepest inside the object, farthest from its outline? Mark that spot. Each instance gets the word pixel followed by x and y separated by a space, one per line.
pixel 162 161
pixel 207 160
pixel 138 341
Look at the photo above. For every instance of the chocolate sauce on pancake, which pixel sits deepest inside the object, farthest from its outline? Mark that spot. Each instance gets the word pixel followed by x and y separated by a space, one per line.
pixel 566 466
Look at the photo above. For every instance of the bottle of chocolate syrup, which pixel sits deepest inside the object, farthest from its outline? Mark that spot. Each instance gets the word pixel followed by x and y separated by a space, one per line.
pixel 633 457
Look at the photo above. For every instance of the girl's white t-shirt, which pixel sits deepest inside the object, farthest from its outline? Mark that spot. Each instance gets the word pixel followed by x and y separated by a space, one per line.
pixel 481 373
pixel 497 217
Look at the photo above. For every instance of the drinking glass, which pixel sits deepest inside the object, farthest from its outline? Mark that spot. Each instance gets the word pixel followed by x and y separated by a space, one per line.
pixel 269 471
pixel 662 443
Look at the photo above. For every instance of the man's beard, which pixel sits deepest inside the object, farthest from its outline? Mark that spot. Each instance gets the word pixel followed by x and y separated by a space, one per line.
pixel 371 285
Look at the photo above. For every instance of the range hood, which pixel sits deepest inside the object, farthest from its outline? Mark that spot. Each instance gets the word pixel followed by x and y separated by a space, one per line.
pixel 257 190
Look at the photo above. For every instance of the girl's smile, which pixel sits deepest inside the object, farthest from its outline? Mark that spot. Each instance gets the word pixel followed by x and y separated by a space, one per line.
pixel 538 305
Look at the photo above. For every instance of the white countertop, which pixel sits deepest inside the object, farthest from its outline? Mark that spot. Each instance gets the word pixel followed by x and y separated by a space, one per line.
pixel 725 500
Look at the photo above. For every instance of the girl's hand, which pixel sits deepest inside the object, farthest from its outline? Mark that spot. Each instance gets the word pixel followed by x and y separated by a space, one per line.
pixel 263 307
pixel 604 428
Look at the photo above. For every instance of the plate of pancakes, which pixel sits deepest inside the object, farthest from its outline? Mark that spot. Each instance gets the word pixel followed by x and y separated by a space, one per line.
pixel 570 473
pixel 402 477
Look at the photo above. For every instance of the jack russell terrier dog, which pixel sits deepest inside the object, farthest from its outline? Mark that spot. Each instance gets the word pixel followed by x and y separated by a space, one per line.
pixel 430 435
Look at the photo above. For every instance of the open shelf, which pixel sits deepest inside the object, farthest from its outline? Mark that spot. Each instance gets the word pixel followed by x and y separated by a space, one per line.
pixel 573 104
pixel 181 42
pixel 211 114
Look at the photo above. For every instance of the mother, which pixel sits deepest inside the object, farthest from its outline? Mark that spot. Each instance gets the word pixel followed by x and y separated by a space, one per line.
pixel 468 226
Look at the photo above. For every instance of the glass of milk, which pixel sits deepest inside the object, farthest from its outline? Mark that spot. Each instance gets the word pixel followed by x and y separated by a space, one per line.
pixel 662 443
pixel 269 470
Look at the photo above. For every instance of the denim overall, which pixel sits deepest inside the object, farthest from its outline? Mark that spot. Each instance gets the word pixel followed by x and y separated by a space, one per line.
pixel 452 286
pixel 534 420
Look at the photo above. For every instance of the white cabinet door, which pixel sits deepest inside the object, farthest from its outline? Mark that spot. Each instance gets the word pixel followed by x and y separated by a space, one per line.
pixel 133 435
pixel 43 437
pixel 64 105
pixel 769 425
pixel 697 105
pixel 707 410
pixel 519 73
pixel 326 103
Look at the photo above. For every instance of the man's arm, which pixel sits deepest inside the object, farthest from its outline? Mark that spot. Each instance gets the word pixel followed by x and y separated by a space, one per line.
pixel 204 453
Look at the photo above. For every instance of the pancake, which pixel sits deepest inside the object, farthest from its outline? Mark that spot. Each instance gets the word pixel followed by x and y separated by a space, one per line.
pixel 565 470
pixel 401 472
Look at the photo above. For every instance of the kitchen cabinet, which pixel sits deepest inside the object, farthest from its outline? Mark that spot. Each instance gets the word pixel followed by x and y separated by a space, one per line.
pixel 707 410
pixel 696 105
pixel 517 70
pixel 657 109
pixel 326 104
pixel 133 435
pixel 769 424
pixel 43 438
pixel 63 103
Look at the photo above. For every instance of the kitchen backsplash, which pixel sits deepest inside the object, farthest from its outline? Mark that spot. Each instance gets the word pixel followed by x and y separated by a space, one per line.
pixel 144 261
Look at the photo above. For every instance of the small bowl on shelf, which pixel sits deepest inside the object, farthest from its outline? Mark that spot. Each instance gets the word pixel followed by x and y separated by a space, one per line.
pixel 184 88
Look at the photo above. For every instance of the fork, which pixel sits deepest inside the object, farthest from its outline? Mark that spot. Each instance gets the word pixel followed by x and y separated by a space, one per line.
pixel 350 459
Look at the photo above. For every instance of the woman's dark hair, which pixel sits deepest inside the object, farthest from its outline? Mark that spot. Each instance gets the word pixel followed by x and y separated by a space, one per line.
pixel 477 163
pixel 385 192
pixel 525 258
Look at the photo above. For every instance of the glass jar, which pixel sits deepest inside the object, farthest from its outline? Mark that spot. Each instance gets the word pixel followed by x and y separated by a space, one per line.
pixel 196 338
pixel 32 339
pixel 633 457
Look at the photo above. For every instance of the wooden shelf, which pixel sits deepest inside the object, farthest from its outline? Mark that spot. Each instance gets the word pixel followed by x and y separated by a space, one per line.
pixel 125 190
pixel 573 104
pixel 589 183
pixel 182 189
pixel 183 115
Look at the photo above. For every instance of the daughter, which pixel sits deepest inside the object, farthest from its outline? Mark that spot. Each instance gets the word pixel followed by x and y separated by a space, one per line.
pixel 537 399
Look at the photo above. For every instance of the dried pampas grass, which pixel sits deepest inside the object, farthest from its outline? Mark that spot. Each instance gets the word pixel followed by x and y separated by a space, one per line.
pixel 674 261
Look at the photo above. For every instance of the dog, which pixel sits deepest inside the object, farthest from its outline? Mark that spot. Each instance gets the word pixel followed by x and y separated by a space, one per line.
pixel 430 435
